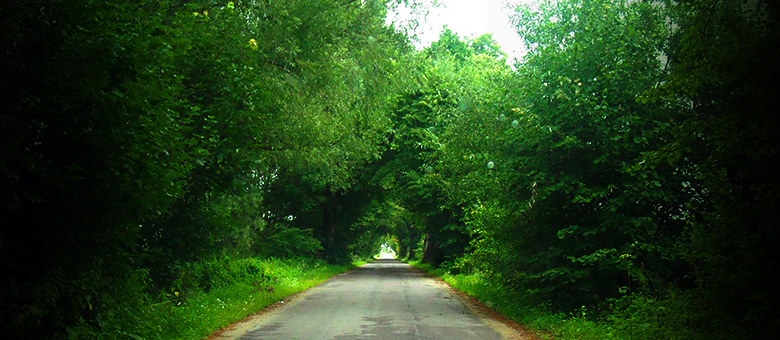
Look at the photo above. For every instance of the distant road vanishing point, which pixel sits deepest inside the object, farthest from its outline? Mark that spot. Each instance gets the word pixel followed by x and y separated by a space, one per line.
pixel 386 299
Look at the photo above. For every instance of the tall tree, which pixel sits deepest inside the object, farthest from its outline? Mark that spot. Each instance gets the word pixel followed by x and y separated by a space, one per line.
pixel 721 76
pixel 137 145
pixel 544 160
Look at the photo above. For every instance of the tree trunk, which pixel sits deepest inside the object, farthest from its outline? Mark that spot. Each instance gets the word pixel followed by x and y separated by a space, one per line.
pixel 431 253
pixel 328 226
pixel 410 241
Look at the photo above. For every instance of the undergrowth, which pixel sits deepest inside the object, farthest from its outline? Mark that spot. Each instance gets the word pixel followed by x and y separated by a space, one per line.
pixel 635 316
pixel 206 296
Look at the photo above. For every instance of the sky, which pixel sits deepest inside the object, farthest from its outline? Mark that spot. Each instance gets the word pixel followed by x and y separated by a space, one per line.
pixel 469 19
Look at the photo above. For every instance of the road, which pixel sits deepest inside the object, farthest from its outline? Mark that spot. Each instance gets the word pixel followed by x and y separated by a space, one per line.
pixel 386 299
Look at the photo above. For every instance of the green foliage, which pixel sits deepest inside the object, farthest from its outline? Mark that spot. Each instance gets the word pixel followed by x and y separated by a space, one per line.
pixel 634 316
pixel 145 145
pixel 641 316
pixel 208 295
pixel 622 172
pixel 575 218
pixel 289 243
pixel 450 45
pixel 485 45
pixel 726 83
pixel 629 154
pixel 456 77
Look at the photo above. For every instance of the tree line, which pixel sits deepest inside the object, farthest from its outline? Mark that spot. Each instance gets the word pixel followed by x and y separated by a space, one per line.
pixel 625 165
pixel 139 137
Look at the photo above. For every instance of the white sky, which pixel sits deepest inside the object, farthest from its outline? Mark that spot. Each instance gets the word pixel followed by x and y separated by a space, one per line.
pixel 470 19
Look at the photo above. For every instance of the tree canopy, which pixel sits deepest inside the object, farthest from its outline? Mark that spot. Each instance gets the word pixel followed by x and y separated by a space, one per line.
pixel 626 162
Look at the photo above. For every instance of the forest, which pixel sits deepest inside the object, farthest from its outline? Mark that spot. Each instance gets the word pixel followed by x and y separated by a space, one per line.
pixel 157 156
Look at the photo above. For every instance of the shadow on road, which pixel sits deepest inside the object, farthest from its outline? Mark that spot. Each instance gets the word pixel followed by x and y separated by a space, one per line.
pixel 386 267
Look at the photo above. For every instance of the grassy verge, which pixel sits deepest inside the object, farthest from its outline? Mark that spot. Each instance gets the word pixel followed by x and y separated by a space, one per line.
pixel 634 317
pixel 208 296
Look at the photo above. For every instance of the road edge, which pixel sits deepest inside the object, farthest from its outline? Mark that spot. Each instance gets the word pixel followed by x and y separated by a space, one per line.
pixel 492 318
pixel 237 329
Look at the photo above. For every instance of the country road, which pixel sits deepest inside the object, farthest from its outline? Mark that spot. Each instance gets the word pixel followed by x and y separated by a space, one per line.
pixel 386 299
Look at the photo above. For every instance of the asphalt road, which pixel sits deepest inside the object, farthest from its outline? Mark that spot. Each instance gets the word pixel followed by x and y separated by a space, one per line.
pixel 386 299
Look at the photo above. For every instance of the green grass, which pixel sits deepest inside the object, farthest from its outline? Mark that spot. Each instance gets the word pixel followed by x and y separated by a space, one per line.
pixel 236 289
pixel 634 317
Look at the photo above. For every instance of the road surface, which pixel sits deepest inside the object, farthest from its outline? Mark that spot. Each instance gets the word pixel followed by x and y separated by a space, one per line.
pixel 386 299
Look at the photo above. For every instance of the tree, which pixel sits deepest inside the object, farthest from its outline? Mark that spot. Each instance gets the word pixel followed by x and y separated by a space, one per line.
pixel 152 143
pixel 449 45
pixel 721 80
pixel 485 44
pixel 552 156
pixel 456 77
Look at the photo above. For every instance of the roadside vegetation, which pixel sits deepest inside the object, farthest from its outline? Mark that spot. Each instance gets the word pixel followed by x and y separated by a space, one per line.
pixel 167 166
pixel 627 317
pixel 616 183
pixel 206 296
